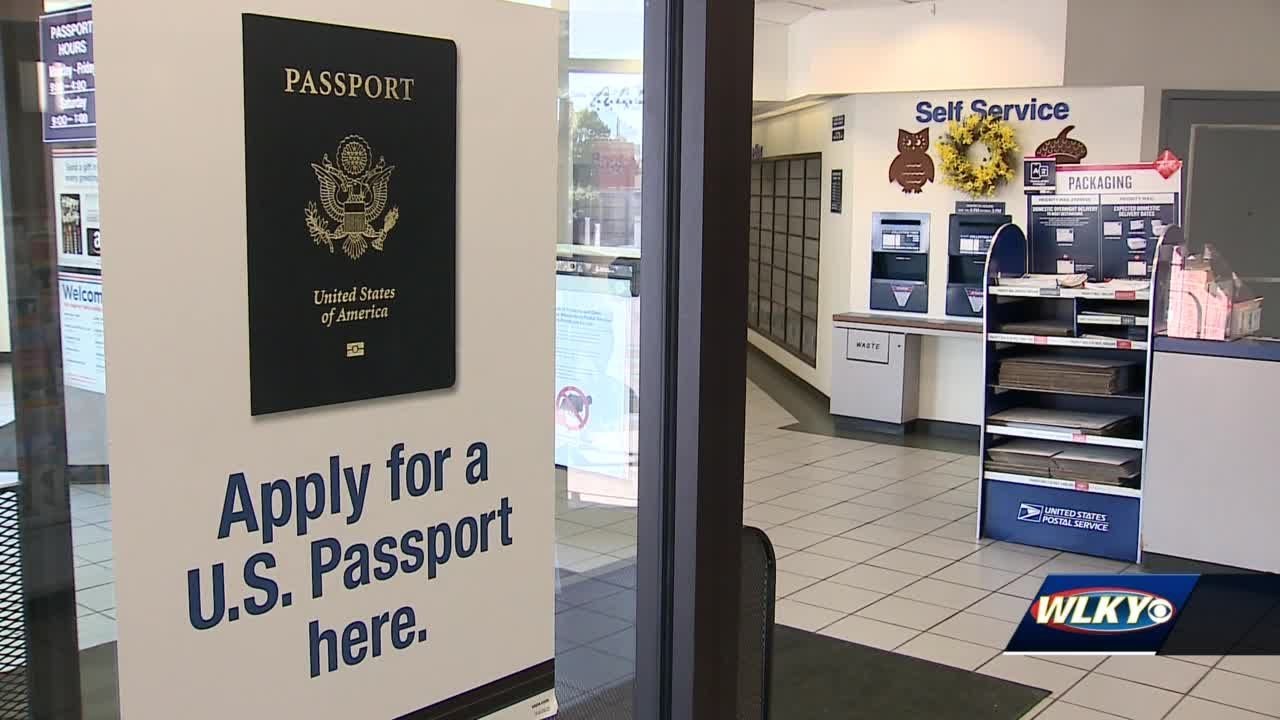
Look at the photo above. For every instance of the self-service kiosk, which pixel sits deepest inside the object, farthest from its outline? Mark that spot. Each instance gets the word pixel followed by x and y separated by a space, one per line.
pixel 900 261
pixel 967 245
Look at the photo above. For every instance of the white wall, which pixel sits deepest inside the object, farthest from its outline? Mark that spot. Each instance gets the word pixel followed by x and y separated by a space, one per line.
pixel 1172 45
pixel 770 62
pixel 966 44
pixel 1108 120
pixel 809 131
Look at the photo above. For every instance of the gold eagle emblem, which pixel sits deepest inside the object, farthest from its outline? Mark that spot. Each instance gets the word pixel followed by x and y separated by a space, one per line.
pixel 354 195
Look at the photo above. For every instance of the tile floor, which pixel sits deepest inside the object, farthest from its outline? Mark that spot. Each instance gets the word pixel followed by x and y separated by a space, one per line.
pixel 875 545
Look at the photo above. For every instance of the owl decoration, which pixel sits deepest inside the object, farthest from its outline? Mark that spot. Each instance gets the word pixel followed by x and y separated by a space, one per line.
pixel 913 168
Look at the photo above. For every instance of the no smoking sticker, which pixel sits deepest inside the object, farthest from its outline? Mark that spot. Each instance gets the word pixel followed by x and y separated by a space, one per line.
pixel 573 408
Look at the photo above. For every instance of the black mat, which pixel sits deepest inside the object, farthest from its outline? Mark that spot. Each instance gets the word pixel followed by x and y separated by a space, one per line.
pixel 817 677
pixel 99 688
pixel 814 677
pixel 9 448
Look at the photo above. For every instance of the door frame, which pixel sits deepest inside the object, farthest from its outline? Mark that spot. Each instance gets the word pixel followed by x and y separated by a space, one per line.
pixel 698 58
pixel 1180 141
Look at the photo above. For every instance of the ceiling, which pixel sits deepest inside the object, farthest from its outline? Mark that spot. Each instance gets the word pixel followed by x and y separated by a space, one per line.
pixel 785 12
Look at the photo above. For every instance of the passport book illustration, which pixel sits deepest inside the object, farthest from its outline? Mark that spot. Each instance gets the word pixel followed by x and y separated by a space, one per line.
pixel 351 180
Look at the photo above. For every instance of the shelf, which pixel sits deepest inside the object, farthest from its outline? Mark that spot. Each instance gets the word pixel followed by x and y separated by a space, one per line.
pixel 1057 484
pixel 1096 343
pixel 1080 293
pixel 1120 396
pixel 1065 436
pixel 1114 320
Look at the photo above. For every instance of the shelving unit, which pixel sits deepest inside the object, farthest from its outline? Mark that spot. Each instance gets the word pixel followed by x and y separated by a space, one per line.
pixel 1101 324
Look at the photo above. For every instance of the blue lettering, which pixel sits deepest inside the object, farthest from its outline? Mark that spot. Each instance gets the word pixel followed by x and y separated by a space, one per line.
pixel 467 549
pixel 439 547
pixel 504 512
pixel 330 640
pixel 357 573
pixel 940 114
pixel 194 611
pixel 361 640
pixel 1061 111
pixel 423 461
pixel 402 624
pixel 237 491
pixel 388 563
pixel 353 637
pixel 924 111
pixel 394 463
pixel 411 548
pixel 310 500
pixel 478 467
pixel 271 519
pixel 980 108
pixel 358 489
pixel 321 567
pixel 256 581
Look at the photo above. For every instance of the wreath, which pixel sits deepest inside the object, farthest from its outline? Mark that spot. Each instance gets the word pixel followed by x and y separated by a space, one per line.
pixel 984 179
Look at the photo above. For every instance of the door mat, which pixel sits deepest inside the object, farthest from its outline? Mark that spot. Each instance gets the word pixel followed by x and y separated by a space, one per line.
pixel 99 685
pixel 9 448
pixel 816 677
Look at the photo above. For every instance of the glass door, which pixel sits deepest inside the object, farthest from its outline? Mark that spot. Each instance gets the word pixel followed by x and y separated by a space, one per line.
pixel 646 411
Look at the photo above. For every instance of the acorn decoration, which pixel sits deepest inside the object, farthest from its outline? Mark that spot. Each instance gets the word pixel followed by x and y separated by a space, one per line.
pixel 1067 151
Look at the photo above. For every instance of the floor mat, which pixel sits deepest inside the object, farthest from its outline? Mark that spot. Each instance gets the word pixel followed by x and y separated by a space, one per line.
pixel 816 677
pixel 9 448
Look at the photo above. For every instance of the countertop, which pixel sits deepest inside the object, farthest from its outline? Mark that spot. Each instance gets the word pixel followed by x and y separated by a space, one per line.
pixel 912 325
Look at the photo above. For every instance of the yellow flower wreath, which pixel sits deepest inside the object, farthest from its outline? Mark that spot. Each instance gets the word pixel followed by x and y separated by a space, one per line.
pixel 978 180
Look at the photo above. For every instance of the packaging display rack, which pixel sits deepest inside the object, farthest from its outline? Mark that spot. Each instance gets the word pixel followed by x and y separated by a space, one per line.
pixel 1101 325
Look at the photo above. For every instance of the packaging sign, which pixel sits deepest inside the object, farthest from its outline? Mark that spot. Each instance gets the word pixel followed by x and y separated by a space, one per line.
pixel 868 346
pixel 84 362
pixel 970 207
pixel 1104 220
pixel 70 102
pixel 351 174
pixel 837 191
pixel 75 196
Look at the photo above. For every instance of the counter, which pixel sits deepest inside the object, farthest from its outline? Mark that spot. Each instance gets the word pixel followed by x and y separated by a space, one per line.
pixel 1210 489
pixel 876 364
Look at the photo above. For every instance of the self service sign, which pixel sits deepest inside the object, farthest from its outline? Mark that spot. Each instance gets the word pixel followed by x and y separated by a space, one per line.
pixel 69 103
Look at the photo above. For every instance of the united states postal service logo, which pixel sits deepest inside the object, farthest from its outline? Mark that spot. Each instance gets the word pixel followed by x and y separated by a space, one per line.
pixel 1028 512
